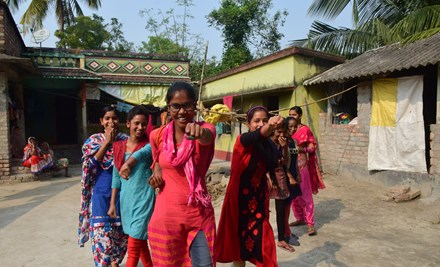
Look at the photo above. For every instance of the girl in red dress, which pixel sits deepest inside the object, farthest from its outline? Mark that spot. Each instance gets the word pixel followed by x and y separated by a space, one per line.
pixel 244 232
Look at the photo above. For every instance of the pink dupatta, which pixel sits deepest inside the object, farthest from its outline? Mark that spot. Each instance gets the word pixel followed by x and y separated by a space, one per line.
pixel 183 157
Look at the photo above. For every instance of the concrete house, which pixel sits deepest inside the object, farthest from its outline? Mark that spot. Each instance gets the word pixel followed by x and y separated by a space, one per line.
pixel 274 81
pixel 395 132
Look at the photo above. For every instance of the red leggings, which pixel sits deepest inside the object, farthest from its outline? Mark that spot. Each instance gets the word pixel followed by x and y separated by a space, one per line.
pixel 138 248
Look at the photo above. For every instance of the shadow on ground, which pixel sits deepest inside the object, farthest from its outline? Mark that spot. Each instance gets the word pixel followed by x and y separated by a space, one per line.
pixel 36 196
pixel 326 211
pixel 318 256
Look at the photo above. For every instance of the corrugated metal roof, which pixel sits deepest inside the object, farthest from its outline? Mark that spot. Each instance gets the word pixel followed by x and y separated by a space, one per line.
pixel 384 60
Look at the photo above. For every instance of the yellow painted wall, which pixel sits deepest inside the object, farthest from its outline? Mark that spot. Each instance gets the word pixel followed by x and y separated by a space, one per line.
pixel 276 74
pixel 288 72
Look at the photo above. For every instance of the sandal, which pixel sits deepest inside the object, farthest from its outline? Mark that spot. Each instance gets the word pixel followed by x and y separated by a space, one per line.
pixel 284 245
pixel 297 223
pixel 311 230
pixel 292 240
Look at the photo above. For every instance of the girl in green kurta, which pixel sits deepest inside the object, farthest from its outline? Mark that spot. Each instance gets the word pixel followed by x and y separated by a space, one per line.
pixel 136 195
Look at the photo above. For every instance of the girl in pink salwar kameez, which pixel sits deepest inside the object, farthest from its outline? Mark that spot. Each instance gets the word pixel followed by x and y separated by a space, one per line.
pixel 311 178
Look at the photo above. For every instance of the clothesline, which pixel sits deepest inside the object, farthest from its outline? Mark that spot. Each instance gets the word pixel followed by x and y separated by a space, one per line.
pixel 232 114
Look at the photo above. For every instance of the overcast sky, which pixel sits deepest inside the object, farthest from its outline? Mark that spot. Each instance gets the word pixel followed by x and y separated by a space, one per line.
pixel 127 12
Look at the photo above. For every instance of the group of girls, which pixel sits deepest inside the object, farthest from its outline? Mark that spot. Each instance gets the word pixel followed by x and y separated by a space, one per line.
pixel 120 210
pixel 121 173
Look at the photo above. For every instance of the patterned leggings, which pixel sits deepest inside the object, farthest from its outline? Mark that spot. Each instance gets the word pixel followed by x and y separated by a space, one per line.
pixel 109 244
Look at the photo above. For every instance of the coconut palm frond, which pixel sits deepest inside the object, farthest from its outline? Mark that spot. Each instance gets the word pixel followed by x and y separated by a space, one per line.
pixel 327 9
pixel 93 4
pixel 385 10
pixel 421 35
pixel 419 21
pixel 384 33
pixel 299 42
pixel 33 16
pixel 75 8
pixel 341 41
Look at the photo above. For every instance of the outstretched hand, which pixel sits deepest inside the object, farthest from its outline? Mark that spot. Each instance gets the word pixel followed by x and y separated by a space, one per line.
pixel 275 121
pixel 193 131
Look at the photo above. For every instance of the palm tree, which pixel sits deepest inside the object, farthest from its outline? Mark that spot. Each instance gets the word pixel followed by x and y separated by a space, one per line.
pixel 376 23
pixel 65 11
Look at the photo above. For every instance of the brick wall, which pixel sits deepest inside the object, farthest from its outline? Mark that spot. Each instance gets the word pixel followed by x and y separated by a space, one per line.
pixel 4 128
pixel 344 150
pixel 342 145
pixel 11 42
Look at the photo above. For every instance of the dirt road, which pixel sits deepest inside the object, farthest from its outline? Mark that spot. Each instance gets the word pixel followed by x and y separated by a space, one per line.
pixel 38 223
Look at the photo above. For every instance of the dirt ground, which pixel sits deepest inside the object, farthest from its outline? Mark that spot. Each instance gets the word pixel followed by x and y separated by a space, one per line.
pixel 38 223
pixel 356 228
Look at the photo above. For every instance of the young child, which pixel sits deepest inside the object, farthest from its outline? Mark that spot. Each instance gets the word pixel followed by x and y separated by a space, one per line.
pixel 282 203
pixel 290 124
pixel 136 195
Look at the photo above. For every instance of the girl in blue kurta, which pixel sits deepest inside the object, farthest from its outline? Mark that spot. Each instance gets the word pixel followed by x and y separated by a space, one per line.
pixel 136 195
pixel 109 243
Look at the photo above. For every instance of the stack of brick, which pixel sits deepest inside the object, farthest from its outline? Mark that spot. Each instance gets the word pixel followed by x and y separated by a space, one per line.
pixel 401 193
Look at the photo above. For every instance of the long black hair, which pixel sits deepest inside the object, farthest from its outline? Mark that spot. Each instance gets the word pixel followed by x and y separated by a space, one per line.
pixel 181 86
pixel 108 109
pixel 251 112
pixel 137 110
pixel 297 109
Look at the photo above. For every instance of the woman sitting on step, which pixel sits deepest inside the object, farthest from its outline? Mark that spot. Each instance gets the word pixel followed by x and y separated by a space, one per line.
pixel 34 158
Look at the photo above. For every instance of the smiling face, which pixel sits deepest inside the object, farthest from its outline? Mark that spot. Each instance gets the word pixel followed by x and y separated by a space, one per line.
pixel 182 108
pixel 293 124
pixel 277 133
pixel 293 113
pixel 109 120
pixel 259 119
pixel 137 126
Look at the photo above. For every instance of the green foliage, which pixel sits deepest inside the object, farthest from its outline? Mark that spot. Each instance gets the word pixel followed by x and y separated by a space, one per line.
pixel 92 33
pixel 377 23
pixel 172 36
pixel 117 40
pixel 212 68
pixel 65 11
pixel 247 25
pixel 162 45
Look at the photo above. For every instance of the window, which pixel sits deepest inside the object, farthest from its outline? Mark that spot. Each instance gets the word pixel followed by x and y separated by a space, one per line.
pixel 343 107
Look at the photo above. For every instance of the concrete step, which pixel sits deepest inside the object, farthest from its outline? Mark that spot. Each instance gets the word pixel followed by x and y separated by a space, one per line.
pixel 18 178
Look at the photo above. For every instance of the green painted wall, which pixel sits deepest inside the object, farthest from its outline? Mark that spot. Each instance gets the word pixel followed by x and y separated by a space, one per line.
pixel 276 74
pixel 272 79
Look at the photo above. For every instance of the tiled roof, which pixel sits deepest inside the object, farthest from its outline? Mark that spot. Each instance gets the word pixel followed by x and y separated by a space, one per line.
pixel 132 79
pixel 76 73
pixel 68 73
pixel 384 60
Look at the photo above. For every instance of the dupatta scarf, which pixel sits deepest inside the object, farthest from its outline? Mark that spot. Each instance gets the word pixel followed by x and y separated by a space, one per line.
pixel 303 137
pixel 88 177
pixel 183 157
